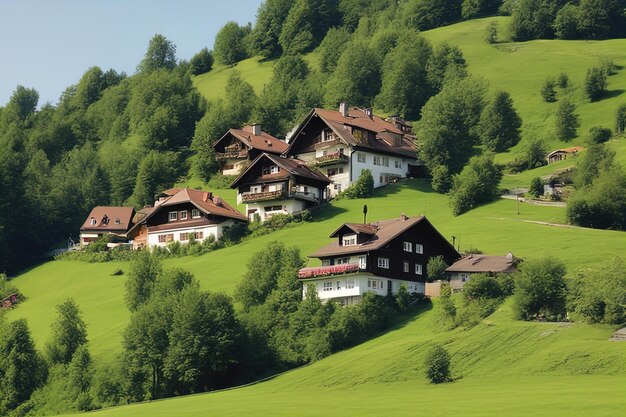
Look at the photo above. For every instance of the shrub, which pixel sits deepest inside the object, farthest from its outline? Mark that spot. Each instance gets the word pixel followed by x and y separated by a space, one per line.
pixel 620 119
pixel 567 121
pixel 448 309
pixel 608 66
pixel 599 134
pixel 491 35
pixel 403 298
pixel 595 83
pixel 536 187
pixel 547 91
pixel 436 268
pixel 362 188
pixel 441 179
pixel 437 365
pixel 540 290
pixel 476 184
pixel 563 80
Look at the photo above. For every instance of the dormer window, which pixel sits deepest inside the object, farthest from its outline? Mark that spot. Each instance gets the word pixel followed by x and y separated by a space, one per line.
pixel 118 221
pixel 272 169
pixel 173 216
pixel 183 215
pixel 105 219
pixel 92 221
pixel 349 240
pixel 397 141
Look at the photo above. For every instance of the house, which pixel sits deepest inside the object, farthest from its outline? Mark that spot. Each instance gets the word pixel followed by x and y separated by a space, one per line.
pixel 238 147
pixel 343 143
pixel 376 257
pixel 461 271
pixel 180 215
pixel 562 154
pixel 273 185
pixel 105 220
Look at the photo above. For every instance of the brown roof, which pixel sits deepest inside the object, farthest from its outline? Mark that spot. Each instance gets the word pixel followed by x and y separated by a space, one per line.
pixel 574 149
pixel 109 219
pixel 384 130
pixel 356 228
pixel 483 263
pixel 294 166
pixel 386 231
pixel 263 142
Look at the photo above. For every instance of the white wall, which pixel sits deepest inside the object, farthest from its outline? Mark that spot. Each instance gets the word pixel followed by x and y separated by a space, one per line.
pixel 238 164
pixel 215 230
pixel 288 207
pixel 360 286
pixel 377 170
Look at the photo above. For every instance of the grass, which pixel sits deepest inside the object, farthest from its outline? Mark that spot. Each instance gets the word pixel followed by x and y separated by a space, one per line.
pixel 504 368
pixel 495 228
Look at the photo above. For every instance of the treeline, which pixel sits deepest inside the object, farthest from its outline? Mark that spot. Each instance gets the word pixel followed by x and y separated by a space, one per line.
pixel 182 340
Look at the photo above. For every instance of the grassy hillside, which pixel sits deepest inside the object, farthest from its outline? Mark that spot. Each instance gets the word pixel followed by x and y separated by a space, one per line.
pixel 506 368
pixel 519 68
pixel 495 228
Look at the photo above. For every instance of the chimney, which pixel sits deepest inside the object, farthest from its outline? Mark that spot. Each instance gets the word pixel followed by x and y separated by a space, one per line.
pixel 218 201
pixel 205 196
pixel 256 129
pixel 344 109
pixel 209 196
pixel 403 217
pixel 368 112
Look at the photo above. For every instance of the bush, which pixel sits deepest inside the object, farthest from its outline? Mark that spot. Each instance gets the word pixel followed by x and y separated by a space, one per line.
pixel 595 83
pixel 362 188
pixel 567 121
pixel 599 134
pixel 491 35
pixel 448 309
pixel 620 119
pixel 201 62
pixel 436 268
pixel 437 365
pixel 540 290
pixel 476 184
pixel 563 80
pixel 547 91
pixel 403 298
pixel 441 179
pixel 536 187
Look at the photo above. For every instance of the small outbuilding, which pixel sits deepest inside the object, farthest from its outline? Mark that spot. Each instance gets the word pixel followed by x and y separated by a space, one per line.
pixel 562 154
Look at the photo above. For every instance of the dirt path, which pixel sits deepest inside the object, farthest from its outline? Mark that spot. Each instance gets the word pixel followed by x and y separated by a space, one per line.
pixel 535 202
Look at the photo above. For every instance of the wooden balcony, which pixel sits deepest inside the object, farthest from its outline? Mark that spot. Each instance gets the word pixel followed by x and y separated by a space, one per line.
pixel 249 197
pixel 323 271
pixel 330 159
pixel 232 154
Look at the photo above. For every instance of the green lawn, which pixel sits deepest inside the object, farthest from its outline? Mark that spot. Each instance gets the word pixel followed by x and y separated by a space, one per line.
pixel 495 228
pixel 505 368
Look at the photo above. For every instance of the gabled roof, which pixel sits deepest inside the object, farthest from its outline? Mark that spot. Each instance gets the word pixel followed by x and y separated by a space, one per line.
pixel 359 228
pixel 291 165
pixel 264 142
pixel 386 231
pixel 204 201
pixel 109 218
pixel 574 149
pixel 384 130
pixel 483 263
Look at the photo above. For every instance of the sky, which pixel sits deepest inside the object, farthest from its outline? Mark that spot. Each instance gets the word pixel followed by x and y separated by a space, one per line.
pixel 48 45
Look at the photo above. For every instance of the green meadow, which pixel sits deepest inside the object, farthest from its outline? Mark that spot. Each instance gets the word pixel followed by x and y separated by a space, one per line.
pixel 502 368
pixel 495 228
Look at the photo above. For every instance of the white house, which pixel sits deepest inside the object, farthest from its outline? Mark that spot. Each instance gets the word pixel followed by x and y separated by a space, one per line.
pixel 343 143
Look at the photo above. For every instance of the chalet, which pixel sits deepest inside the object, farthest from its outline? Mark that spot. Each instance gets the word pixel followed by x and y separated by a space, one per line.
pixel 238 147
pixel 273 185
pixel 103 220
pixel 562 154
pixel 376 257
pixel 461 271
pixel 182 214
pixel 343 143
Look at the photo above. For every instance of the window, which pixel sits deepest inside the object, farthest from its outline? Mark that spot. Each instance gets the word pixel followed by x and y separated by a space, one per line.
pixel 340 151
pixel 183 215
pixel 325 262
pixel 93 221
pixel 418 269
pixel 340 170
pixel 397 141
pixel 377 160
pixel 383 263
pixel 198 235
pixel 195 213
pixel 273 208
pixel 331 171
pixel 406 266
pixel 166 238
pixel 173 216
pixel 362 262
pixel 419 248
pixel 361 157
pixel 358 134
pixel 398 164
pixel 274 169
pixel 385 161
pixel 184 237
pixel 408 246
pixel 338 285
pixel 464 277
pixel 328 286
pixel 118 221
pixel 350 283
pixel 340 261
pixel 161 238
pixel 349 240
pixel 375 284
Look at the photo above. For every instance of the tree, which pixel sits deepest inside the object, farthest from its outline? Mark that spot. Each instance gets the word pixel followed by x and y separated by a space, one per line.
pixel 595 83
pixel 240 99
pixel 21 105
pixel 403 298
pixel 161 54
pixel 476 184
pixel 297 34
pixel 601 18
pixel 448 309
pixel 229 46
pixel 441 179
pixel 532 19
pixel 79 378
pixel 332 47
pixel 620 119
pixel 22 370
pixel 540 289
pixel 535 153
pixel 536 187
pixel 491 33
pixel 356 79
pixel 362 188
pixel 547 91
pixel 567 121
pixel 596 159
pixel 144 269
pixel 405 87
pixel 157 172
pixel 201 62
pixel 429 14
pixel 69 333
pixel 437 364
pixel 436 268
pixel 599 134
pixel 499 124
pixel 447 131
pixel 567 22
pixel 446 65
pixel 270 18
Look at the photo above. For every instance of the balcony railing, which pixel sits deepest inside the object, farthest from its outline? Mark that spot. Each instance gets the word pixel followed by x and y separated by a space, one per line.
pixel 331 158
pixel 234 154
pixel 263 196
pixel 322 271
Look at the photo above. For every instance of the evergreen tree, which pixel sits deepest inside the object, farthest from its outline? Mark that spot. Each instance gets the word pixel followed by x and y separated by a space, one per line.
pixel 547 91
pixel 567 121
pixel 161 54
pixel 597 158
pixel 620 119
pixel 79 379
pixel 536 187
pixel 69 333
pixel 535 153
pixel 595 83
pixel 499 124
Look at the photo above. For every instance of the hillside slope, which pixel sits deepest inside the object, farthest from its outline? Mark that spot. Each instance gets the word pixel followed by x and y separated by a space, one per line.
pixel 495 228
pixel 506 368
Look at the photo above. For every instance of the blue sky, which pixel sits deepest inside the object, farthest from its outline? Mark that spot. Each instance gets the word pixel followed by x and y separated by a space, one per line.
pixel 48 45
